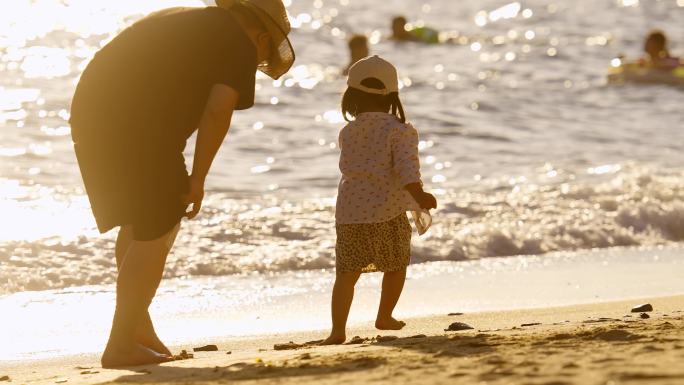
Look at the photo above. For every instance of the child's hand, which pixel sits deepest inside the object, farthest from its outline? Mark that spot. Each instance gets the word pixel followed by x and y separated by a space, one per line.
pixel 427 201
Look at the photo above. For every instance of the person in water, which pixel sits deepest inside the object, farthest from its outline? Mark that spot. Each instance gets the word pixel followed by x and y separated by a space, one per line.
pixel 657 53
pixel 172 73
pixel 400 32
pixel 358 49
pixel 380 181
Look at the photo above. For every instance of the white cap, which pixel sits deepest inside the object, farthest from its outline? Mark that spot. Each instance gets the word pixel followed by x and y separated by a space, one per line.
pixel 373 67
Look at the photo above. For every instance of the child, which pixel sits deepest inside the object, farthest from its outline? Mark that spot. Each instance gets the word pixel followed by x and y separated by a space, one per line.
pixel 380 182
pixel 655 47
pixel 358 49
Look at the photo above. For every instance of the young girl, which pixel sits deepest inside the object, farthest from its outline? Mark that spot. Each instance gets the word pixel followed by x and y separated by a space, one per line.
pixel 380 182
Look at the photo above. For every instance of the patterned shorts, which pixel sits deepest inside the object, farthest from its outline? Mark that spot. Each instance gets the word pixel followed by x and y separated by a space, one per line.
pixel 370 247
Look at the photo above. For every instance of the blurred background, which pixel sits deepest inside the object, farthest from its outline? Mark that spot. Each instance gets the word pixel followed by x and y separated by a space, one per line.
pixel 527 146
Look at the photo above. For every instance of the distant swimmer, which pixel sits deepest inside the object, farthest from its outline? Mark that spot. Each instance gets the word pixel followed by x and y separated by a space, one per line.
pixel 656 67
pixel 358 49
pixel 657 53
pixel 400 32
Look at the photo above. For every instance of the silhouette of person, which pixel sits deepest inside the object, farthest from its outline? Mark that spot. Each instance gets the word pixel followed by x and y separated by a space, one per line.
pixel 655 47
pixel 419 34
pixel 358 49
pixel 174 72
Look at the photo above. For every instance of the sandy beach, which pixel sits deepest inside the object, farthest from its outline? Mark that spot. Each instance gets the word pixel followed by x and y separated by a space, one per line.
pixel 561 201
pixel 601 343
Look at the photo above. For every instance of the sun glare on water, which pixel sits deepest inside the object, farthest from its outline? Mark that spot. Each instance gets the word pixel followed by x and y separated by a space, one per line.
pixel 40 41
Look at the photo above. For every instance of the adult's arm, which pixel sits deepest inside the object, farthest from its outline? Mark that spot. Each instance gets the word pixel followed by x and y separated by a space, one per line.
pixel 213 128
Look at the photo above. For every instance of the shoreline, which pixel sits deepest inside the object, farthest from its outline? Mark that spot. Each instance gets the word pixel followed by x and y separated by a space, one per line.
pixel 253 306
pixel 252 357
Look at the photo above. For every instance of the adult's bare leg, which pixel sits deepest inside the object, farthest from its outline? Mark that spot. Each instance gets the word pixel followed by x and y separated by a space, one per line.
pixel 139 277
pixel 146 335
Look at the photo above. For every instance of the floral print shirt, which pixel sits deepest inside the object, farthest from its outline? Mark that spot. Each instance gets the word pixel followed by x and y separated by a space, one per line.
pixel 379 156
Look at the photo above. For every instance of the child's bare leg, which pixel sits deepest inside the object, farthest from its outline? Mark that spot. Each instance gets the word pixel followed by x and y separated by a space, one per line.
pixel 342 296
pixel 392 285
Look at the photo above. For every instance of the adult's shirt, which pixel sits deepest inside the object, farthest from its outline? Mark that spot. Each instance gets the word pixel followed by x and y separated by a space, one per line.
pixel 147 88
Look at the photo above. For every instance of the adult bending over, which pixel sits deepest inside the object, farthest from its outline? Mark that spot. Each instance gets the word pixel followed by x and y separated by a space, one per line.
pixel 138 101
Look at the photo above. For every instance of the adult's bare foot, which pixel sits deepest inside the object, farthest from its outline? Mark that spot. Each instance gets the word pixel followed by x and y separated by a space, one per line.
pixel 334 339
pixel 135 355
pixel 389 324
pixel 147 337
pixel 153 343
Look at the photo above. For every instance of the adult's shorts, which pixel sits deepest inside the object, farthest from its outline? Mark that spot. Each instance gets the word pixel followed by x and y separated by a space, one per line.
pixel 141 187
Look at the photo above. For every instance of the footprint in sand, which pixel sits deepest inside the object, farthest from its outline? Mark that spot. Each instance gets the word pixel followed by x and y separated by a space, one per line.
pixel 616 336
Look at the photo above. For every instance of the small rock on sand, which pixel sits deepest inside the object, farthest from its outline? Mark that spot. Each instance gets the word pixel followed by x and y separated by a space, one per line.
pixel 229 352
pixel 206 348
pixel 5 378
pixel 184 355
pixel 456 326
pixel 601 319
pixel 454 314
pixel 642 308
pixel 89 372
pixel 356 340
pixel 288 346
pixel 531 324
pixel 644 316
pixel 419 336
pixel 386 338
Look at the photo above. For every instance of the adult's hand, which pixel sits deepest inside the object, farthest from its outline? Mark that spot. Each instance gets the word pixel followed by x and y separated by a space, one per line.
pixel 194 197
pixel 213 128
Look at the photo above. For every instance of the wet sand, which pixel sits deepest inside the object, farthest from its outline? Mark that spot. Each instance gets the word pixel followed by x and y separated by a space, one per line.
pixel 600 343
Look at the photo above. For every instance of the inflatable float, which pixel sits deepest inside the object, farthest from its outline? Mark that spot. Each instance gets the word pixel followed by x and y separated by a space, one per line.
pixel 426 35
pixel 621 72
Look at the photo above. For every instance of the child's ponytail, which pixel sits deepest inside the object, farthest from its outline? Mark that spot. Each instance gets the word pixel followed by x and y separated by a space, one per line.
pixel 397 108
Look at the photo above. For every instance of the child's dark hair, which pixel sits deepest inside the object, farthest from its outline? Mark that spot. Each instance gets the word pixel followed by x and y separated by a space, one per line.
pixel 355 102
pixel 658 37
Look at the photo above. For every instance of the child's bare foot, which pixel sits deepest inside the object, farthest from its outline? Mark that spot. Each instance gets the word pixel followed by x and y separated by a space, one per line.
pixel 135 355
pixel 389 324
pixel 334 339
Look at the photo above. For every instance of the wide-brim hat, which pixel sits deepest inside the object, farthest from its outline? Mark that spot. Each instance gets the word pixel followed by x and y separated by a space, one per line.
pixel 273 16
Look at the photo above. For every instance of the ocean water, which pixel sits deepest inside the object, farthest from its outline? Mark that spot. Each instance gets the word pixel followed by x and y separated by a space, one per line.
pixel 526 146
